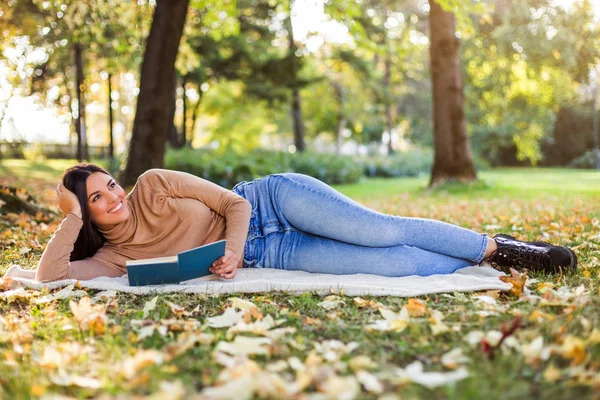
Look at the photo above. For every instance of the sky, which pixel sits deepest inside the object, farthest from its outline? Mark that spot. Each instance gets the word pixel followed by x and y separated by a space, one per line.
pixel 35 123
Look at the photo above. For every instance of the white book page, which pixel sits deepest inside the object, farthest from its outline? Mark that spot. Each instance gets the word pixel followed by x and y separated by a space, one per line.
pixel 152 260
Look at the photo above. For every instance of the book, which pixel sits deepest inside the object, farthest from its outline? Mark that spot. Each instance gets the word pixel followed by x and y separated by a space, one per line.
pixel 189 264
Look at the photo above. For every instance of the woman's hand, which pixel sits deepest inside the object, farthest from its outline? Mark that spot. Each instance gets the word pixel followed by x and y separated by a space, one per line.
pixel 67 200
pixel 226 266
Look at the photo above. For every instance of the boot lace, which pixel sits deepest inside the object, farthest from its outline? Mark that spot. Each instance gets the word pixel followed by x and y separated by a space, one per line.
pixel 519 257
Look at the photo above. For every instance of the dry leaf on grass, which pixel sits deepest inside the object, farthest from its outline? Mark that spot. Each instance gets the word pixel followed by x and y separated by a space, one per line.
pixel 64 293
pixel 518 281
pixel 229 318
pixel 64 379
pixel 369 382
pixel 244 345
pixel 414 373
pixel 331 302
pixel 142 359
pixel 90 317
pixel 149 307
pixel 454 358
pixel 437 324
pixel 241 304
pixel 392 322
pixel 416 308
pixel 9 283
pixel 340 387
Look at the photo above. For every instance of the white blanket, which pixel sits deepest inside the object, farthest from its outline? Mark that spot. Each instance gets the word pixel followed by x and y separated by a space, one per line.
pixel 254 280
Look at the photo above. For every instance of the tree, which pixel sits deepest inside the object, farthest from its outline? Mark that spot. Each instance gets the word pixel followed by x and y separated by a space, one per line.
pixel 452 159
pixel 153 119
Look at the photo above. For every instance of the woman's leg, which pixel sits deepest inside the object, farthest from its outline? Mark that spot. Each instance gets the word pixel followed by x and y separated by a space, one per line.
pixel 314 207
pixel 295 250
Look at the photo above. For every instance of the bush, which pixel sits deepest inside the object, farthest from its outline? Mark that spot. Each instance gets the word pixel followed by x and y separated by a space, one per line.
pixel 227 169
pixel 415 162
pixel 586 160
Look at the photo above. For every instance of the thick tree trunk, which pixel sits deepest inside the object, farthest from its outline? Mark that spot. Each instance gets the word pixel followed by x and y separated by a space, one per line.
pixel 111 144
pixel 453 160
pixel 153 118
pixel 82 153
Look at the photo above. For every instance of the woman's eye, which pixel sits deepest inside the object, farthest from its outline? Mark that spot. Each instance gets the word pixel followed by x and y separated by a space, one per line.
pixel 112 185
pixel 96 197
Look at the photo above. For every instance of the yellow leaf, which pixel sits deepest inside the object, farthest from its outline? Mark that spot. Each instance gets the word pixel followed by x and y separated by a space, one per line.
pixel 38 390
pixel 416 308
pixel 573 348
pixel 551 374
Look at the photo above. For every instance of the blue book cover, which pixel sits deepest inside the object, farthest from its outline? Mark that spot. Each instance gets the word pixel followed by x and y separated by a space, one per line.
pixel 189 264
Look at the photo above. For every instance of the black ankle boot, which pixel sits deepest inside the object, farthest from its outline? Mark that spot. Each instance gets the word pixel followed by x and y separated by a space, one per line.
pixel 535 256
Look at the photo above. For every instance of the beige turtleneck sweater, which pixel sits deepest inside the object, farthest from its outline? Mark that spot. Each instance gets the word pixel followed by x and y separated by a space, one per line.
pixel 170 212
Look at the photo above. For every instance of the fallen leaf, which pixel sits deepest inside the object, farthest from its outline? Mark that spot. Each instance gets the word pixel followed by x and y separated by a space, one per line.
pixel 176 309
pixel 340 387
pixel 437 325
pixel 331 302
pixel 142 359
pixel 244 345
pixel 361 362
pixel 65 293
pixel 149 307
pixel 518 280
pixel 64 379
pixel 369 382
pixel 416 308
pixel 229 318
pixel 392 322
pixel 90 317
pixel 574 349
pixel 414 373
pixel 9 283
pixel 454 358
pixel 241 304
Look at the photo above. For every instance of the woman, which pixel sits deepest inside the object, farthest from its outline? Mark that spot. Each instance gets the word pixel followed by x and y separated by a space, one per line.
pixel 287 221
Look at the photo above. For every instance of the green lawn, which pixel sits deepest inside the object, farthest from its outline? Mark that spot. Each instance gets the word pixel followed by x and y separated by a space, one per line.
pixel 113 349
pixel 499 182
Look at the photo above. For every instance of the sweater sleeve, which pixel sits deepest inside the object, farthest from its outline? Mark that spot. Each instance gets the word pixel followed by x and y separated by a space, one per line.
pixel 235 209
pixel 55 265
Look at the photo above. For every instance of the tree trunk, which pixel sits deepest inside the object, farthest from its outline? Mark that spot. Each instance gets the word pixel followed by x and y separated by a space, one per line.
pixel 153 117
pixel 299 130
pixel 298 122
pixel 111 144
pixel 194 119
pixel 453 160
pixel 389 124
pixel 341 125
pixel 82 153
pixel 173 133
pixel 184 122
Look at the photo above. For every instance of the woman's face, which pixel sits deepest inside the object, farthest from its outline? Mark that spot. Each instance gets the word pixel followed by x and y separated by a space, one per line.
pixel 106 200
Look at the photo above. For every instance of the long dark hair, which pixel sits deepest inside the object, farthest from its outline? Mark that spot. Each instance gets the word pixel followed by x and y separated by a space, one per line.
pixel 90 239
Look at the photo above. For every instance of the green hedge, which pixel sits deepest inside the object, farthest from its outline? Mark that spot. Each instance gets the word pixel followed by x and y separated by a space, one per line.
pixel 227 169
pixel 586 160
pixel 415 162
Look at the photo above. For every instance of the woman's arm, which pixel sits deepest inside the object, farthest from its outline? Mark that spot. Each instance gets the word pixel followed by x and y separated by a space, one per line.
pixel 55 263
pixel 235 209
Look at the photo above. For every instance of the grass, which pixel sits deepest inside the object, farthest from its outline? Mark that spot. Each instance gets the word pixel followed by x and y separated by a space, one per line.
pixel 44 345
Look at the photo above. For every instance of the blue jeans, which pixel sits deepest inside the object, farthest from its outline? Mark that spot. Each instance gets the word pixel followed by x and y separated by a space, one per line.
pixel 301 223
